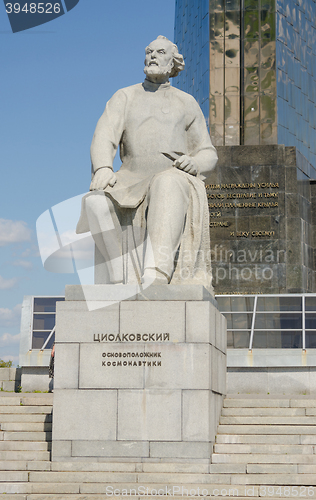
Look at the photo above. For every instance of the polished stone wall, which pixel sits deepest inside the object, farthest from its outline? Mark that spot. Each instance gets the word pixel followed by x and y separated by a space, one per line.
pixel 260 220
pixel 252 70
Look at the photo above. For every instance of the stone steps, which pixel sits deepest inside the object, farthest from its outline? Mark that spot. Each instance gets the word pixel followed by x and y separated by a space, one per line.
pixel 249 455
pixel 271 420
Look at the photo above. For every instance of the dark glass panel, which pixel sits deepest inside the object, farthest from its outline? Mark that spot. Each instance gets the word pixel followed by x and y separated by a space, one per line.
pixel 267 81
pixel 268 108
pixel 267 5
pixel 310 321
pixel 279 304
pixel 310 340
pixel 239 340
pixel 232 25
pixel 223 303
pixel 251 83
pixel 238 321
pixel 219 24
pixel 46 304
pixel 217 110
pixel 231 109
pixel 251 53
pixel 268 133
pixel 39 338
pixel 251 133
pixel 267 25
pixel 251 4
pixel 232 5
pixel 310 303
pixel 43 321
pixel 232 53
pixel 232 81
pixel 217 5
pixel 217 53
pixel 278 321
pixel 251 24
pixel 275 339
pixel 232 134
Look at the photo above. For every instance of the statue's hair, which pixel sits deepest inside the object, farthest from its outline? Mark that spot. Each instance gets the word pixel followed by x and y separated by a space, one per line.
pixel 178 61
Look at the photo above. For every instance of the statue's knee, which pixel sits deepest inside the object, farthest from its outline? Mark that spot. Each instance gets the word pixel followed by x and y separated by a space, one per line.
pixel 170 182
pixel 96 202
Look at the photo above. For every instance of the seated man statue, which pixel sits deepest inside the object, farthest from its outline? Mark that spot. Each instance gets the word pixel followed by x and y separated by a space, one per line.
pixel 154 209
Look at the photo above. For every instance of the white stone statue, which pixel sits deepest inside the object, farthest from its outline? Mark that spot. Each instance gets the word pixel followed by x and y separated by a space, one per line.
pixel 150 220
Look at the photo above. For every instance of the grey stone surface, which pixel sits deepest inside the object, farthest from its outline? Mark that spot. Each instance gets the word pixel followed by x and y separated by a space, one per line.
pixel 196 415
pixel 75 325
pixel 110 448
pixel 200 322
pixel 88 414
pixel 156 415
pixel 61 449
pixel 180 450
pixel 163 392
pixel 34 378
pixel 183 366
pixel 66 367
pixel 110 293
pixel 93 375
pixel 153 317
pixel 4 374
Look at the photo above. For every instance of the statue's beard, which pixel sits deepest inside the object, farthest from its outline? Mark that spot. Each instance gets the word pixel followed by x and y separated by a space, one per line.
pixel 154 70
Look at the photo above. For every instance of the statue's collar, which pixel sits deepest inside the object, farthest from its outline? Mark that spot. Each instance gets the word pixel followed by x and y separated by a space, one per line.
pixel 155 86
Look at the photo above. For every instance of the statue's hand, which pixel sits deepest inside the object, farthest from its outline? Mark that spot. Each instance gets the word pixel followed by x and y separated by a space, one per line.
pixel 103 178
pixel 187 164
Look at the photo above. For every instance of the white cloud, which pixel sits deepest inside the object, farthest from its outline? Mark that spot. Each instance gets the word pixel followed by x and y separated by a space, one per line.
pixel 22 263
pixel 6 284
pixel 10 317
pixel 11 357
pixel 8 339
pixel 13 231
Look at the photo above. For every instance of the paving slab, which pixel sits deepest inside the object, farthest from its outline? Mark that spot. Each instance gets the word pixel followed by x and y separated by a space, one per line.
pixel 303 403
pixel 27 436
pixel 25 418
pixel 261 458
pixel 264 448
pixel 26 426
pixel 14 476
pixel 177 478
pixel 267 420
pixel 286 412
pixel 176 467
pixel 306 439
pixel 53 488
pixel 266 429
pixel 24 445
pixel 275 479
pixel 17 465
pixel 39 465
pixel 81 477
pixel 22 409
pixel 260 439
pixel 228 468
pixel 272 469
pixel 256 403
pixel 94 466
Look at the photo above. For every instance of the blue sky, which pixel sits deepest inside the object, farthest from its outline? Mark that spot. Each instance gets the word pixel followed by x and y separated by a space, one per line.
pixel 55 82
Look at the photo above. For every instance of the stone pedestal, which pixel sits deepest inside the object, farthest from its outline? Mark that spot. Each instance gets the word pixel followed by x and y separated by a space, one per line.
pixel 140 379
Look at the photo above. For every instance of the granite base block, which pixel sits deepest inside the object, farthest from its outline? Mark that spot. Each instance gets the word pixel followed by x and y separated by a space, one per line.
pixel 138 378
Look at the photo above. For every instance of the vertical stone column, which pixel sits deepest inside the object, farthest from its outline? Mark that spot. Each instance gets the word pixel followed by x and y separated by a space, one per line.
pixel 142 378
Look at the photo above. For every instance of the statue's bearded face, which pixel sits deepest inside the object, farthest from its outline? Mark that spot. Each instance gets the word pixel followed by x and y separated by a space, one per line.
pixel 159 58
